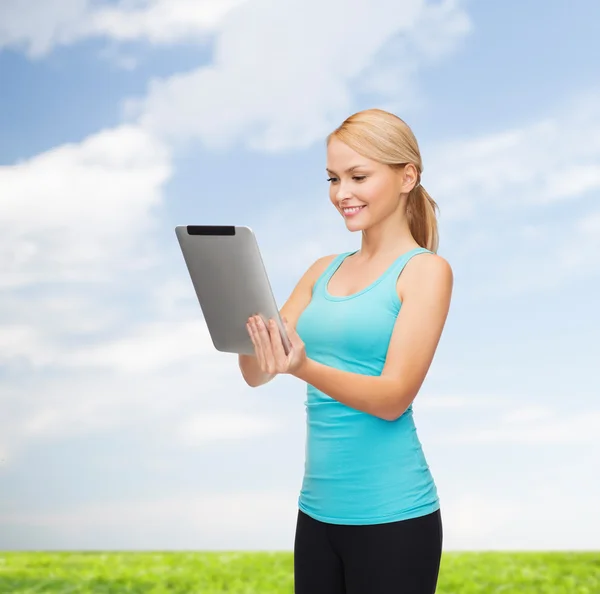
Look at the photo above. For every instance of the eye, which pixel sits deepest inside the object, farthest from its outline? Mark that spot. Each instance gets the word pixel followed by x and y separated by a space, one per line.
pixel 331 179
pixel 359 178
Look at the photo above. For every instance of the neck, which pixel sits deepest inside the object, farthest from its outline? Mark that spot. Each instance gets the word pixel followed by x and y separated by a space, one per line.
pixel 390 237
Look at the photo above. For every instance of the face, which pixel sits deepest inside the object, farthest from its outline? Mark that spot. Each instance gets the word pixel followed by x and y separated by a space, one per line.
pixel 363 191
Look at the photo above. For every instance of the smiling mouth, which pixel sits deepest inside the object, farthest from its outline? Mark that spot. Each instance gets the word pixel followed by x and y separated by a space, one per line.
pixel 352 209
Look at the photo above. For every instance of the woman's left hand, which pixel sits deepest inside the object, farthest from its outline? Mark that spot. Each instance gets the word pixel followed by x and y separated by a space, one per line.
pixel 268 346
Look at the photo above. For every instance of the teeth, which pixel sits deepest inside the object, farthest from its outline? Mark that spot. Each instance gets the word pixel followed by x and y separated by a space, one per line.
pixel 353 209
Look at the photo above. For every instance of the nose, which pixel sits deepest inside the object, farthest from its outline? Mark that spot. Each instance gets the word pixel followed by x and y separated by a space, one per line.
pixel 342 193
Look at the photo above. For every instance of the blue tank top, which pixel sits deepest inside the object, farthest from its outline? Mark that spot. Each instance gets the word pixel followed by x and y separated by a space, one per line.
pixel 359 469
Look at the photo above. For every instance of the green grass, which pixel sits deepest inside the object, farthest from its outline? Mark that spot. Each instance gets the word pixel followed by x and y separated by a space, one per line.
pixel 269 573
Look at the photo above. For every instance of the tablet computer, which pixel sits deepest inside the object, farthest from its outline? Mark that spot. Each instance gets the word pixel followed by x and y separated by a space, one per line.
pixel 231 283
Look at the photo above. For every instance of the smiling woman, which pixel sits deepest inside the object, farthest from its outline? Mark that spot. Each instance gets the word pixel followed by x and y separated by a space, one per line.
pixel 364 328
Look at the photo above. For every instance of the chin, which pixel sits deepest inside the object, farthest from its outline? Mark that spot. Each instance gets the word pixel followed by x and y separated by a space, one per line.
pixel 355 225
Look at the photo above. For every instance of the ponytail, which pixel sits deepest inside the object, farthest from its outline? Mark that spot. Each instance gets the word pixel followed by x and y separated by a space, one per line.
pixel 422 220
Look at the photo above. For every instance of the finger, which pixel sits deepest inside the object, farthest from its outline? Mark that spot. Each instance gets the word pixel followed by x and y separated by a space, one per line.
pixel 265 343
pixel 286 323
pixel 290 331
pixel 295 340
pixel 289 355
pixel 250 329
pixel 277 343
pixel 257 345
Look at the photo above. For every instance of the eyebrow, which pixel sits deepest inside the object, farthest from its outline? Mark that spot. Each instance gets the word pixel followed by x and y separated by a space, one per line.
pixel 350 169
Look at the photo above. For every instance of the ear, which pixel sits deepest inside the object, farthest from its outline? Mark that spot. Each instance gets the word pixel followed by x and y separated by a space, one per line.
pixel 410 177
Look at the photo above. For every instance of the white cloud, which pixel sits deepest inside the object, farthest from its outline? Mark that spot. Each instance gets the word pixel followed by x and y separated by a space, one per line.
pixel 267 87
pixel 208 521
pixel 523 193
pixel 18 341
pixel 528 414
pixel 535 426
pixel 39 27
pixel 471 520
pixel 270 89
pixel 209 427
pixel 159 21
pixel 442 402
pixel 78 212
pixel 151 347
pixel 165 373
pixel 579 251
pixel 543 257
pixel 212 521
pixel 537 165
pixel 75 222
pixel 76 227
pixel 485 520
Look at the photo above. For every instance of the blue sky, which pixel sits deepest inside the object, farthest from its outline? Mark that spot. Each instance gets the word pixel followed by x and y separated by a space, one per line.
pixel 121 427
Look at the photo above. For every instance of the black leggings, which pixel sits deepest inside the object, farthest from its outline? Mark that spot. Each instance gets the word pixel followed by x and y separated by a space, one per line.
pixel 400 557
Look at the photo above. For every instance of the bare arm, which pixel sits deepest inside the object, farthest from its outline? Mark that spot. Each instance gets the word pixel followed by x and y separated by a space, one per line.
pixel 417 331
pixel 293 307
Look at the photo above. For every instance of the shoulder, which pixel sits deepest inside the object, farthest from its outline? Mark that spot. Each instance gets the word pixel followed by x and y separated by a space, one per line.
pixel 302 293
pixel 320 265
pixel 317 268
pixel 425 273
pixel 314 271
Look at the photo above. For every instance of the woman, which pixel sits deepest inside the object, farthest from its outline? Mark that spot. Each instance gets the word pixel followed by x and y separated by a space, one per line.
pixel 364 328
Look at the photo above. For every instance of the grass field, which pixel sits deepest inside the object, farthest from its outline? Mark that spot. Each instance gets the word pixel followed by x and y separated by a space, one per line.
pixel 270 573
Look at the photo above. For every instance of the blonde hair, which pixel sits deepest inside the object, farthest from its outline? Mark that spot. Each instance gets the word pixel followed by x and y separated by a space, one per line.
pixel 384 137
